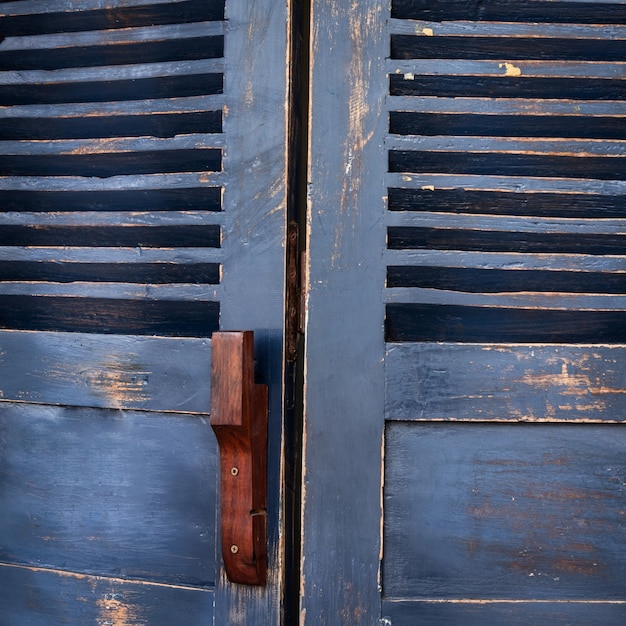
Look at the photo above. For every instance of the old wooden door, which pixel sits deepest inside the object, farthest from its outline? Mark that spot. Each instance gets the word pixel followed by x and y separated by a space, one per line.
pixel 142 208
pixel 465 363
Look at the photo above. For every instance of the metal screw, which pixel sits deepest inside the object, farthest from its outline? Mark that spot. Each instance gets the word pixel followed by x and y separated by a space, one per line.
pixel 234 471
pixel 234 549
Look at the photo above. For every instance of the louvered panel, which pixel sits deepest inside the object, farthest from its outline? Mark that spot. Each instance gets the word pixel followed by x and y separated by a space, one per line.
pixel 110 166
pixel 507 169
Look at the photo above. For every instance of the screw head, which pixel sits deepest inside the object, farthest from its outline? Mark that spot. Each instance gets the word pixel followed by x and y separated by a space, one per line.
pixel 234 549
pixel 234 471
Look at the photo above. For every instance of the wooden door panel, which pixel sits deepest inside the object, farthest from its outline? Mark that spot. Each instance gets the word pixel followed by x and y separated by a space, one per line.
pixel 478 166
pixel 66 598
pixel 497 613
pixel 115 493
pixel 142 208
pixel 499 511
pixel 480 382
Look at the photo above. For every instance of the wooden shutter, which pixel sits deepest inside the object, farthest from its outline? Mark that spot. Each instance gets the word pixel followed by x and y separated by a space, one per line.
pixel 505 304
pixel 466 251
pixel 111 164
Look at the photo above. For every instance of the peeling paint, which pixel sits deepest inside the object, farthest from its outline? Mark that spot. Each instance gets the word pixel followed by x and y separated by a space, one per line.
pixel 510 69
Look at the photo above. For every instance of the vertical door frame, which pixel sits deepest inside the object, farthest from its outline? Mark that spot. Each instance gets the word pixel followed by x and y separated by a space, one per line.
pixel 344 389
pixel 253 287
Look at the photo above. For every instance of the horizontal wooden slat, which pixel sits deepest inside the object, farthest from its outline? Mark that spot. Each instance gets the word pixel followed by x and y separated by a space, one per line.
pixel 476 382
pixel 111 89
pixel 113 54
pixel 169 318
pixel 480 69
pixel 112 163
pixel 432 181
pixel 507 87
pixel 52 597
pixel 168 235
pixel 164 199
pixel 508 146
pixel 500 260
pixel 417 322
pixel 29 18
pixel 506 48
pixel 117 292
pixel 504 240
pixel 148 124
pixel 537 509
pixel 509 106
pixel 515 613
pixel 150 273
pixel 120 372
pixel 132 255
pixel 124 183
pixel 166 106
pixel 502 203
pixel 175 32
pixel 105 73
pixel 429 124
pixel 574 12
pixel 599 167
pixel 80 484
pixel 555 226
pixel 141 147
pixel 499 306
pixel 508 28
pixel 494 280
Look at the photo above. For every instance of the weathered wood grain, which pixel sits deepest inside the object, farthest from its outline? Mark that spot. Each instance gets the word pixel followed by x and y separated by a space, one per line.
pixel 27 18
pixel 519 613
pixel 119 372
pixel 508 203
pixel 483 382
pixel 507 87
pixel 523 11
pixel 41 597
pixel 99 492
pixel 536 509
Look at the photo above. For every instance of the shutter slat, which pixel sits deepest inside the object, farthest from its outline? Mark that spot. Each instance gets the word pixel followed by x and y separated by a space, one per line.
pixel 506 184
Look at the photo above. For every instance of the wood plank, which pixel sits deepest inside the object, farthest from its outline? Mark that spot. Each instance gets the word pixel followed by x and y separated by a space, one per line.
pixel 205 198
pixel 468 613
pixel 27 18
pixel 473 280
pixel 344 279
pixel 506 48
pixel 498 306
pixel 507 87
pixel 42 597
pixel 500 260
pixel 536 508
pixel 412 69
pixel 81 486
pixel 518 240
pixel 574 126
pixel 503 164
pixel 169 318
pixel 431 28
pixel 419 322
pixel 576 12
pixel 507 203
pixel 508 106
pixel 108 89
pixel 162 125
pixel 114 54
pixel 483 382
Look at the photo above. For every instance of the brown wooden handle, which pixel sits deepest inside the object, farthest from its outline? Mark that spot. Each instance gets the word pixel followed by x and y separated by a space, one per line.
pixel 239 419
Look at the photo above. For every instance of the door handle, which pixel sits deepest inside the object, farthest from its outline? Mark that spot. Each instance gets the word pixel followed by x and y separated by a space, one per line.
pixel 239 420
